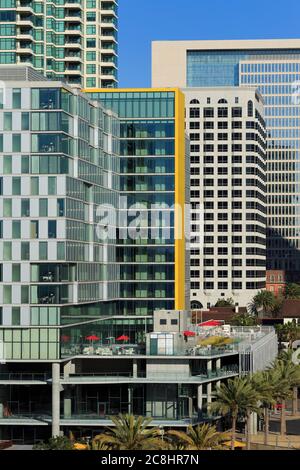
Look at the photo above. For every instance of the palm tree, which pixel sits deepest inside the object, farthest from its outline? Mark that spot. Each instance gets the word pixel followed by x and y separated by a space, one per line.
pixel 292 291
pixel 233 398
pixel 264 300
pixel 202 437
pixel 244 319
pixel 130 433
pixel 292 331
pixel 262 383
pixel 294 376
pixel 251 406
pixel 281 376
pixel 225 302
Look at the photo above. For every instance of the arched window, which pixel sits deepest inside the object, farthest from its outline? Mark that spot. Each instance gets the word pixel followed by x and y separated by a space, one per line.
pixel 195 305
pixel 250 109
pixel 222 101
pixel 194 102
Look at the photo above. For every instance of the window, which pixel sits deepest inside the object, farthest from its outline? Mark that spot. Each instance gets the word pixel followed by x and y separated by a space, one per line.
pixel 34 185
pixel 43 209
pixel 16 229
pixel 162 321
pixel 16 142
pixel 43 250
pixel 16 272
pixel 7 207
pixel 16 186
pixel 208 112
pixel 7 122
pixel 25 251
pixel 52 185
pixel 7 164
pixel 34 229
pixel 7 294
pixel 51 228
pixel 25 121
pixel 16 98
pixel 25 212
pixel 250 109
pixel 15 316
pixel 174 322
pixel 194 113
pixel 60 207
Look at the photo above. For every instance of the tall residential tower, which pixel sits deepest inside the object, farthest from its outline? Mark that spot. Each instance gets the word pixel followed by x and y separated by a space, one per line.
pixel 71 40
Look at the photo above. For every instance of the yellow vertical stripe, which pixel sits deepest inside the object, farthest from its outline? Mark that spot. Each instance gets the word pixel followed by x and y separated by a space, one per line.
pixel 179 201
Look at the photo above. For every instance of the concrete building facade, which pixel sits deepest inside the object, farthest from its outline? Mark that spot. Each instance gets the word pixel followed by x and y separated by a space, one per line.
pixel 228 194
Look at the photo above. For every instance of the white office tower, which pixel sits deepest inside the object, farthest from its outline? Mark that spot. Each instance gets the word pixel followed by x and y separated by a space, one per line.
pixel 228 194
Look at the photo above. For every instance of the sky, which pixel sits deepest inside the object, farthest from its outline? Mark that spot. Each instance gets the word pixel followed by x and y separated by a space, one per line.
pixel 142 21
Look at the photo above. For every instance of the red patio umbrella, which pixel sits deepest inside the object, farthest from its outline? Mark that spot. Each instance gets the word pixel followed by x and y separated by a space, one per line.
pixel 189 333
pixel 92 338
pixel 211 323
pixel 123 338
pixel 65 338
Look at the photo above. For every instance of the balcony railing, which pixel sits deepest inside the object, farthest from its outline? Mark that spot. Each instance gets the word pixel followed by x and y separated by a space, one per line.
pixel 24 376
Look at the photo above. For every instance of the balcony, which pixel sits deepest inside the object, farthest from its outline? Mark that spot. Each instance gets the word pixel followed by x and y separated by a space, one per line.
pixel 72 57
pixel 76 4
pixel 72 17
pixel 71 44
pixel 24 48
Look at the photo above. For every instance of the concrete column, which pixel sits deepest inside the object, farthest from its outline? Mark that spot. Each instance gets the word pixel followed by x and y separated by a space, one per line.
pixel 1 411
pixel 209 393
pixel 218 363
pixel 67 403
pixel 69 368
pixel 55 399
pixel 209 365
pixel 129 399
pixel 134 368
pixel 200 397
pixel 253 423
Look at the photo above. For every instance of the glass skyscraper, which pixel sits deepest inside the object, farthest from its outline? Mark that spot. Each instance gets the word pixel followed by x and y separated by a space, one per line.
pixel 273 67
pixel 152 156
pixel 74 40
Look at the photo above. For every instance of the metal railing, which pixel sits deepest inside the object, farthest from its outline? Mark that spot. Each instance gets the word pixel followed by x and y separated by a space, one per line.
pixel 26 376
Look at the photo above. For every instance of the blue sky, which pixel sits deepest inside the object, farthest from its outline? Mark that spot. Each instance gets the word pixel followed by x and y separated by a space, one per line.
pixel 141 21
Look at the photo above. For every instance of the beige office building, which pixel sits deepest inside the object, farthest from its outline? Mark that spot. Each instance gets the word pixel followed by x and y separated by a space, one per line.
pixel 273 68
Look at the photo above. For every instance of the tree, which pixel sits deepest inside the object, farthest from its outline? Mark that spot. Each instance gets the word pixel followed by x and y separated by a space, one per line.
pixel 55 443
pixel 229 302
pixel 251 405
pixel 292 331
pixel 281 377
pixel 264 300
pixel 292 291
pixel 235 397
pixel 262 383
pixel 202 437
pixel 130 433
pixel 294 376
pixel 244 319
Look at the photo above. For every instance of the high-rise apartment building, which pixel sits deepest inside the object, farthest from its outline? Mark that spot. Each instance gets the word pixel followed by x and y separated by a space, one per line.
pixel 73 40
pixel 273 68
pixel 228 194
pixel 73 169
